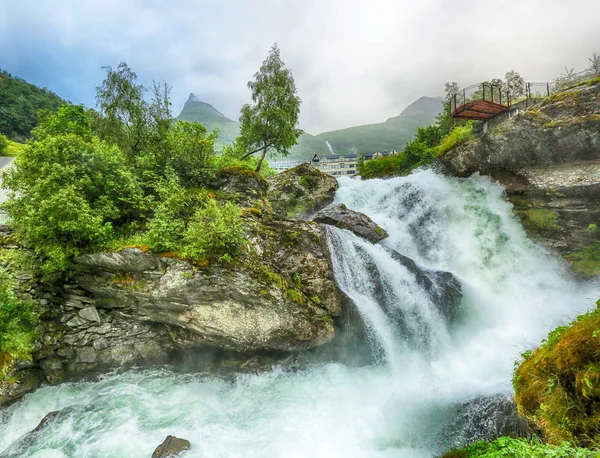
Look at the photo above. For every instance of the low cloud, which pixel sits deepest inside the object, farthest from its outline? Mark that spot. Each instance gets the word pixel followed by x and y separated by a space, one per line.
pixel 355 62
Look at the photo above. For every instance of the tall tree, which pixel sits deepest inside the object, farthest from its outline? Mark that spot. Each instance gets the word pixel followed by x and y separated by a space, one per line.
pixel 595 63
pixel 270 123
pixel 124 121
pixel 514 84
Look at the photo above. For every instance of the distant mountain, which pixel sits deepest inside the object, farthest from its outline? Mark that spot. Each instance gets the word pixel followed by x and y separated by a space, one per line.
pixel 19 104
pixel 389 135
pixel 392 134
pixel 207 115
pixel 211 118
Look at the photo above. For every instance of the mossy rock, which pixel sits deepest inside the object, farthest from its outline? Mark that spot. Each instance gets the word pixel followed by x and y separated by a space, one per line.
pixel 557 386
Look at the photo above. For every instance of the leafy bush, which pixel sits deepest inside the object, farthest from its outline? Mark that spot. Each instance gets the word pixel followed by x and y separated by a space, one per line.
pixel 505 447
pixel 67 192
pixel 17 321
pixel 215 232
pixel 557 386
pixel 176 206
pixel 3 145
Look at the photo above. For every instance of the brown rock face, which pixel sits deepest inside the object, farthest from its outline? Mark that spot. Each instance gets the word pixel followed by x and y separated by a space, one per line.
pixel 548 158
pixel 300 192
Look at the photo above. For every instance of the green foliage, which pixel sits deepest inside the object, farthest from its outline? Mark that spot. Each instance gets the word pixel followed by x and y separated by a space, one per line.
pixel 592 228
pixel 215 232
pixel 3 145
pixel 586 261
pixel 506 447
pixel 17 321
pixel 19 104
pixel 68 191
pixel 176 206
pixel 429 143
pixel 270 123
pixel 557 386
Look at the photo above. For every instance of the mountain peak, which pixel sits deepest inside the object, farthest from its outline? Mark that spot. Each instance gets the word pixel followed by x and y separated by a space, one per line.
pixel 193 98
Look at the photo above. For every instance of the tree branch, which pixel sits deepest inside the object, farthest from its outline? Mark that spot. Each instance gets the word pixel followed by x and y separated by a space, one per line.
pixel 264 147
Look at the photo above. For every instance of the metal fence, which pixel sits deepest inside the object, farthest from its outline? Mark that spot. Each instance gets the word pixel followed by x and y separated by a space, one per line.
pixel 501 95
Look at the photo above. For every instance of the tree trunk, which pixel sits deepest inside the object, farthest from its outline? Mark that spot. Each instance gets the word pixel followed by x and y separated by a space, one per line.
pixel 262 157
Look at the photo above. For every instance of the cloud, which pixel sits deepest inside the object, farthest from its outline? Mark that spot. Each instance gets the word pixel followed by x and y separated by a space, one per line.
pixel 354 61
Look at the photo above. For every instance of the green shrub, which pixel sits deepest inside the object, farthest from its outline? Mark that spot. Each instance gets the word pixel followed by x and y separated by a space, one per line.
pixel 215 232
pixel 3 145
pixel 505 447
pixel 459 135
pixel 557 386
pixel 17 321
pixel 69 191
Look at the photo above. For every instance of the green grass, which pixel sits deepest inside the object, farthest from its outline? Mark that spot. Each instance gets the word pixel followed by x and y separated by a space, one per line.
pixel 505 447
pixel 458 136
pixel 539 220
pixel 557 386
pixel 586 261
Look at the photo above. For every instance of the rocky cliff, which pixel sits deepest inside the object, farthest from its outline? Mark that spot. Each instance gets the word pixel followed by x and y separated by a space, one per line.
pixel 548 158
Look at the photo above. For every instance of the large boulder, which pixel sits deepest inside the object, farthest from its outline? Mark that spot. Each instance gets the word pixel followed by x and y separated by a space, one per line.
pixel 300 192
pixel 360 224
pixel 443 288
pixel 132 307
pixel 484 418
pixel 172 447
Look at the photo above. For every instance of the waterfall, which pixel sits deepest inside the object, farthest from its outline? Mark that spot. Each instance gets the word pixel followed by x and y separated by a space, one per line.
pixel 427 366
pixel 329 146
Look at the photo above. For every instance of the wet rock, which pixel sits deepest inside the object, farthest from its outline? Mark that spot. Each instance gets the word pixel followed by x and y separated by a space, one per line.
pixel 242 186
pixel 443 288
pixel 86 355
pixel 45 421
pixel 90 314
pixel 300 192
pixel 171 447
pixel 342 217
pixel 76 321
pixel 484 418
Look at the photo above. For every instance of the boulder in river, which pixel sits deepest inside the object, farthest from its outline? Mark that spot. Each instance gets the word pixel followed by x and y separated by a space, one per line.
pixel 300 192
pixel 360 224
pixel 171 447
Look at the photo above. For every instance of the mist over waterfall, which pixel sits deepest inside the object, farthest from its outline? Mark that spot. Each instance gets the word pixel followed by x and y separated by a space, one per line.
pixel 426 365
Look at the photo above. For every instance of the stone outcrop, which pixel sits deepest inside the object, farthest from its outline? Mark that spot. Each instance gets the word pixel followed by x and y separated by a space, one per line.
pixel 443 288
pixel 360 224
pixel 484 418
pixel 172 447
pixel 300 192
pixel 548 158
pixel 135 308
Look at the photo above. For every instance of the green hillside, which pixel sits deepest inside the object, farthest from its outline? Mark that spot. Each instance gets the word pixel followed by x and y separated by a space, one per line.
pixel 389 135
pixel 211 118
pixel 19 104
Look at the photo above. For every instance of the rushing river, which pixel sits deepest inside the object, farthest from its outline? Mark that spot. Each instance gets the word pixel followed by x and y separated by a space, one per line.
pixel 514 293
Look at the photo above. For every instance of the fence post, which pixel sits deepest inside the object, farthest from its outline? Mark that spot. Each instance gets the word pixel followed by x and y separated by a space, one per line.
pixel 548 89
pixel 464 96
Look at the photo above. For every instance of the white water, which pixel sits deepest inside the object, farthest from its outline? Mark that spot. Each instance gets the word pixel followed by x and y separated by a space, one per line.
pixel 329 146
pixel 514 294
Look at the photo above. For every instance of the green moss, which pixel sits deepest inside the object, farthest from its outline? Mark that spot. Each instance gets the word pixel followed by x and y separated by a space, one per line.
pixel 316 300
pixel 506 447
pixel 458 136
pixel 295 296
pixel 557 386
pixel 379 230
pixel 586 261
pixel 539 220
pixel 308 181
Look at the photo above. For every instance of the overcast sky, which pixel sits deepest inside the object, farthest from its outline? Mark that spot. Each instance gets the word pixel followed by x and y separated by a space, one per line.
pixel 354 61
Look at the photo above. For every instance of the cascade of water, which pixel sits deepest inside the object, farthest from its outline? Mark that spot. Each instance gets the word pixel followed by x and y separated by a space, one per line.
pixel 514 293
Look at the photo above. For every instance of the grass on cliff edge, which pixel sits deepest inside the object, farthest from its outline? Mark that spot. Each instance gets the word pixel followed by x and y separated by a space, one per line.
pixel 586 261
pixel 403 164
pixel 557 386
pixel 505 447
